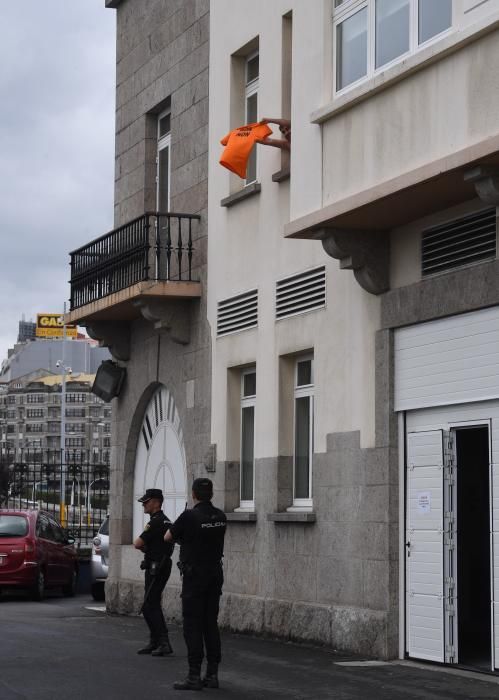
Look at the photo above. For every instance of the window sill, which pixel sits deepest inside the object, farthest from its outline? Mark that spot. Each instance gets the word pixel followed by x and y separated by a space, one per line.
pixel 241 517
pixel 281 175
pixel 418 61
pixel 292 517
pixel 235 197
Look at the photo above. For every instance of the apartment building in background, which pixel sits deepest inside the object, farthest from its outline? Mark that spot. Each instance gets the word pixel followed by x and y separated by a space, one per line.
pixel 321 337
pixel 30 419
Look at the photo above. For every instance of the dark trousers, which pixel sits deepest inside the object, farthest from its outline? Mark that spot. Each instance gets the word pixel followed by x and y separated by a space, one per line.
pixel 201 591
pixel 153 614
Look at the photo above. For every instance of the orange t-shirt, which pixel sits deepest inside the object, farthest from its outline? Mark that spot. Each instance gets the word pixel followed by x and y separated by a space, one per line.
pixel 238 145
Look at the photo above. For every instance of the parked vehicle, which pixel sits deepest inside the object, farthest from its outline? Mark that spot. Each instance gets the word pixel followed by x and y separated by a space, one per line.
pixel 99 561
pixel 36 553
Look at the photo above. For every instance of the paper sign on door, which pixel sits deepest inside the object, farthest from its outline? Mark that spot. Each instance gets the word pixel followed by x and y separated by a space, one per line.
pixel 424 502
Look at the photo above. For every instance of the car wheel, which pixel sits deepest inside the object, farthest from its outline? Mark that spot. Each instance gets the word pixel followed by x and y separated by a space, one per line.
pixel 69 590
pixel 38 592
pixel 98 592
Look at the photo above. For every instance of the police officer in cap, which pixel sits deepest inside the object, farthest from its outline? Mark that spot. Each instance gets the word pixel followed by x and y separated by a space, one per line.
pixel 200 532
pixel 157 565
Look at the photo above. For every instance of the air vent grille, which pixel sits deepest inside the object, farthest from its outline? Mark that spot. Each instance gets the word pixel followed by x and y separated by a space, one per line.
pixel 300 293
pixel 237 313
pixel 461 242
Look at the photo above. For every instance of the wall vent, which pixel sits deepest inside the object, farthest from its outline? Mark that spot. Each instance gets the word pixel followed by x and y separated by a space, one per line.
pixel 300 293
pixel 237 313
pixel 460 242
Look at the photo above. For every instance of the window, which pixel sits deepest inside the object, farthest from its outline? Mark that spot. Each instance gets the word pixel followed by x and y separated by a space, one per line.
pixel 75 442
pixel 252 73
pixel 303 433
pixel 35 413
pixel 248 399
pixel 76 398
pixel 163 160
pixel 75 412
pixel 371 34
pixel 75 427
pixel 35 398
pixel 34 427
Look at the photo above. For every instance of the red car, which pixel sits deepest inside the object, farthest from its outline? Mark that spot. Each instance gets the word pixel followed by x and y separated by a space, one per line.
pixel 36 553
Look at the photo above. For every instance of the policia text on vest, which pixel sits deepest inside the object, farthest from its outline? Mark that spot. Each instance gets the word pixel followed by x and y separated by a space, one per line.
pixel 157 566
pixel 200 532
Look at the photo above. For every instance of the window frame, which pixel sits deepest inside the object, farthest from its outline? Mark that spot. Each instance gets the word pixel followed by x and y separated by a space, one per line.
pixel 251 88
pixel 303 391
pixel 349 8
pixel 246 402
pixel 163 143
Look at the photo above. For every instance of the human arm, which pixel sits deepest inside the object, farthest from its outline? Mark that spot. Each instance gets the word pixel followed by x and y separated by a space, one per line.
pixel 139 543
pixel 285 129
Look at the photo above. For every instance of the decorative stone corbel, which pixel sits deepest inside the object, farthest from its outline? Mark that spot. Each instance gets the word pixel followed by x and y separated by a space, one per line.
pixel 486 181
pixel 367 253
pixel 210 459
pixel 171 316
pixel 114 335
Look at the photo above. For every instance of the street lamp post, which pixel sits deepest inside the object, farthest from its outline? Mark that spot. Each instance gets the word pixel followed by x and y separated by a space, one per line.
pixel 61 363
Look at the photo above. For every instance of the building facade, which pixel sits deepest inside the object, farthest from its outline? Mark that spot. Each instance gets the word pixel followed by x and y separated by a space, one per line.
pixel 345 410
pixel 30 419
pixel 141 288
pixel 30 355
pixel 353 412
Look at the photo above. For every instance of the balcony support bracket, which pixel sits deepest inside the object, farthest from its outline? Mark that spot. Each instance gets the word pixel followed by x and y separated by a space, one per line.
pixel 486 181
pixel 170 316
pixel 367 253
pixel 114 335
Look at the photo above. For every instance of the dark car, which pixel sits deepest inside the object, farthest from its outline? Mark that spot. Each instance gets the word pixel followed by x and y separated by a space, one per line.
pixel 36 553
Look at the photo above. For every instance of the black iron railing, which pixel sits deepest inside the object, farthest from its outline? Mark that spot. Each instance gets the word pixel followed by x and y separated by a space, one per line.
pixel 155 246
pixel 74 488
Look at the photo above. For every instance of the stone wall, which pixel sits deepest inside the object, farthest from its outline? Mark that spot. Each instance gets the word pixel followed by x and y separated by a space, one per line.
pixel 162 58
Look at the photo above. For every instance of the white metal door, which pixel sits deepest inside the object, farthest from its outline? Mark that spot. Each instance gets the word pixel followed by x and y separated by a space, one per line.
pixel 425 567
pixel 494 483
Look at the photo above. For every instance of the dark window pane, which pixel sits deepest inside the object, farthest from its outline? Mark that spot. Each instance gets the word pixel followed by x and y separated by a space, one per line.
pixel 302 447
pixel 163 177
pixel 392 30
pixel 434 18
pixel 164 125
pixel 351 49
pixel 247 452
pixel 252 69
pixel 304 373
pixel 249 384
pixel 251 117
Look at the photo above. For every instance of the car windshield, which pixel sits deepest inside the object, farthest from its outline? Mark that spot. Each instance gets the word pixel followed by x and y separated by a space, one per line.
pixel 104 528
pixel 13 526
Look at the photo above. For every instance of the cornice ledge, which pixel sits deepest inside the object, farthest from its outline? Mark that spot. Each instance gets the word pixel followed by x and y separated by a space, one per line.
pixel 114 335
pixel 367 253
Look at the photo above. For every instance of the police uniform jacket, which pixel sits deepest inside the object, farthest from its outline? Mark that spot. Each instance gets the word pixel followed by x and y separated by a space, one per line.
pixel 153 536
pixel 201 533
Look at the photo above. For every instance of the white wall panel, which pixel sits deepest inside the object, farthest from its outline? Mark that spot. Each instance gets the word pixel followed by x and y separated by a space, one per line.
pixel 448 361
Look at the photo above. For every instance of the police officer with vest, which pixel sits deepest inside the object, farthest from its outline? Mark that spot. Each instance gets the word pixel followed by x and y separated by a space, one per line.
pixel 200 532
pixel 157 564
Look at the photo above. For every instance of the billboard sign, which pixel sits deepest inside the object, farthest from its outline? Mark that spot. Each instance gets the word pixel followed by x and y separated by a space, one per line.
pixel 52 326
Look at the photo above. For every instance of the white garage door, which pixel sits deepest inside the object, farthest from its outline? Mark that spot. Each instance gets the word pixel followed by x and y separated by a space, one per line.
pixel 431 624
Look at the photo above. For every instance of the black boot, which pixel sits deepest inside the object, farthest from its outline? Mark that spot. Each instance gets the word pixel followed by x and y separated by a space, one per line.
pixel 192 682
pixel 149 648
pixel 164 648
pixel 211 678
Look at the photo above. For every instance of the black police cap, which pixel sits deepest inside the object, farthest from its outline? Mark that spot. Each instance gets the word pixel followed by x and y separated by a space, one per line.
pixel 151 493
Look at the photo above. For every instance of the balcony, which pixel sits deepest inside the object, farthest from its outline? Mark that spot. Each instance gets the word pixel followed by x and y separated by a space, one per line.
pixel 148 259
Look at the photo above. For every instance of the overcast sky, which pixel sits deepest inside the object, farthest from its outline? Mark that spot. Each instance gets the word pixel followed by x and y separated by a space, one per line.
pixel 57 77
